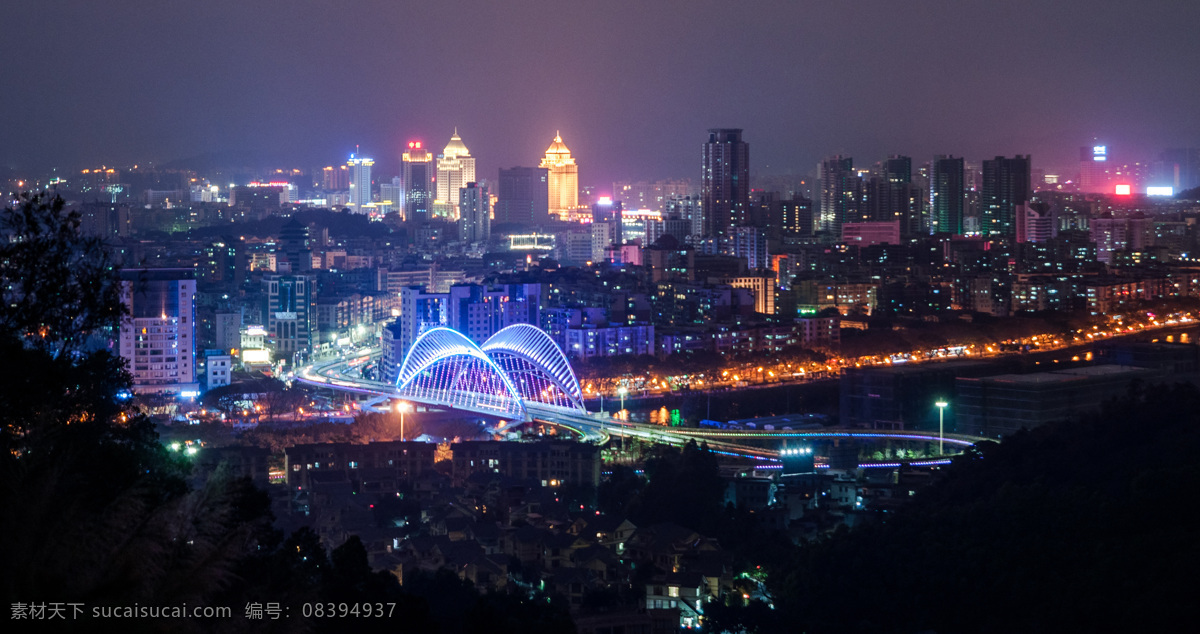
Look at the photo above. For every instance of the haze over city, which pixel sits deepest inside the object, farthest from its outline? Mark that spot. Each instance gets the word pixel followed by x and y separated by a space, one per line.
pixel 716 317
pixel 631 85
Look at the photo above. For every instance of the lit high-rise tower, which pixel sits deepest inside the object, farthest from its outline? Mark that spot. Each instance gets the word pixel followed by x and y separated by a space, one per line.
pixel 725 183
pixel 1006 186
pixel 360 182
pixel 417 180
pixel 946 195
pixel 563 177
pixel 841 190
pixel 455 168
pixel 474 219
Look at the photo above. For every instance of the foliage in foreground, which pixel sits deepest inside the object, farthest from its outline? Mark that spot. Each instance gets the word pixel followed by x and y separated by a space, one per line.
pixel 1085 525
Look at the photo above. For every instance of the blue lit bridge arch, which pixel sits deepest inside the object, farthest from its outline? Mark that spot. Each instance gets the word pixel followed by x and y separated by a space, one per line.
pixel 519 364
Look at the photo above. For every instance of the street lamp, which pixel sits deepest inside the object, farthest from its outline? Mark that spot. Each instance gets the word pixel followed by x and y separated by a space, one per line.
pixel 402 407
pixel 941 405
pixel 622 391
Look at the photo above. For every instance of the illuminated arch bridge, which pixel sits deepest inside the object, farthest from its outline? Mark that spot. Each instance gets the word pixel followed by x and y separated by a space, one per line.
pixel 519 364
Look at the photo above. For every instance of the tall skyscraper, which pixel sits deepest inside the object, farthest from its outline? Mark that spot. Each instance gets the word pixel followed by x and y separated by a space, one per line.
pixel 563 175
pixel 474 220
pixel 523 196
pixel 890 195
pixel 455 168
pixel 158 340
pixel 946 195
pixel 1006 185
pixel 725 181
pixel 360 183
pixel 841 190
pixel 417 176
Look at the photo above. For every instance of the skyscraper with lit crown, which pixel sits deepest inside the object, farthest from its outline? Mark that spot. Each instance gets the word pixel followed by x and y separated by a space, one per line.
pixel 417 179
pixel 563 177
pixel 455 168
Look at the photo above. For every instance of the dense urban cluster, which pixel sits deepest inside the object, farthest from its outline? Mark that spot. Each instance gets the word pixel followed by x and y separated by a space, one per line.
pixel 165 324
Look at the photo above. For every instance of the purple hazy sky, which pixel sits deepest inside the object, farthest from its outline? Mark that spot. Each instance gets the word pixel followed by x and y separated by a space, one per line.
pixel 632 85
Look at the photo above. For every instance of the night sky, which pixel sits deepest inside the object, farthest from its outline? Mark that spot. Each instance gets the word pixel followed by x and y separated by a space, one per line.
pixel 632 85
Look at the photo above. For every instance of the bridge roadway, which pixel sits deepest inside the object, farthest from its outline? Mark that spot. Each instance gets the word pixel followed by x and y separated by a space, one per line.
pixel 599 428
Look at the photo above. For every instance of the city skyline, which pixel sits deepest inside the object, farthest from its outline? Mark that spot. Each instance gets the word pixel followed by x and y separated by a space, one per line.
pixel 1039 81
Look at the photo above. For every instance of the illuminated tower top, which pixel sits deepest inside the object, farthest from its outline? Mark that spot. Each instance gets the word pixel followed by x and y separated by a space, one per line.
pixel 558 151
pixel 455 148
pixel 455 168
pixel 562 177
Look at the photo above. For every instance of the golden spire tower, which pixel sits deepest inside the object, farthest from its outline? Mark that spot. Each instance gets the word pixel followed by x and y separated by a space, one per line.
pixel 455 168
pixel 563 177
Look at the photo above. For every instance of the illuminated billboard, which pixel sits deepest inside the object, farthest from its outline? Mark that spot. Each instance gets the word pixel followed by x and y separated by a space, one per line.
pixel 1100 153
pixel 256 355
pixel 1160 191
pixel 1123 190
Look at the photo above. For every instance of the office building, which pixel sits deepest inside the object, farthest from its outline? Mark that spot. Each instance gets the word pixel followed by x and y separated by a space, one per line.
pixel 688 208
pixel 291 316
pixel 795 215
pixel 479 311
pixel 158 340
pixel 946 195
pixel 336 178
pixel 455 168
pixel 1006 185
pixel 1036 222
pixel 841 190
pixel 474 215
pixel 523 196
pixel 294 250
pixel 391 195
pixel 563 178
pixel 897 169
pixel 750 244
pixel 1093 169
pixel 725 181
pixel 607 211
pixel 417 175
pixel 360 183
